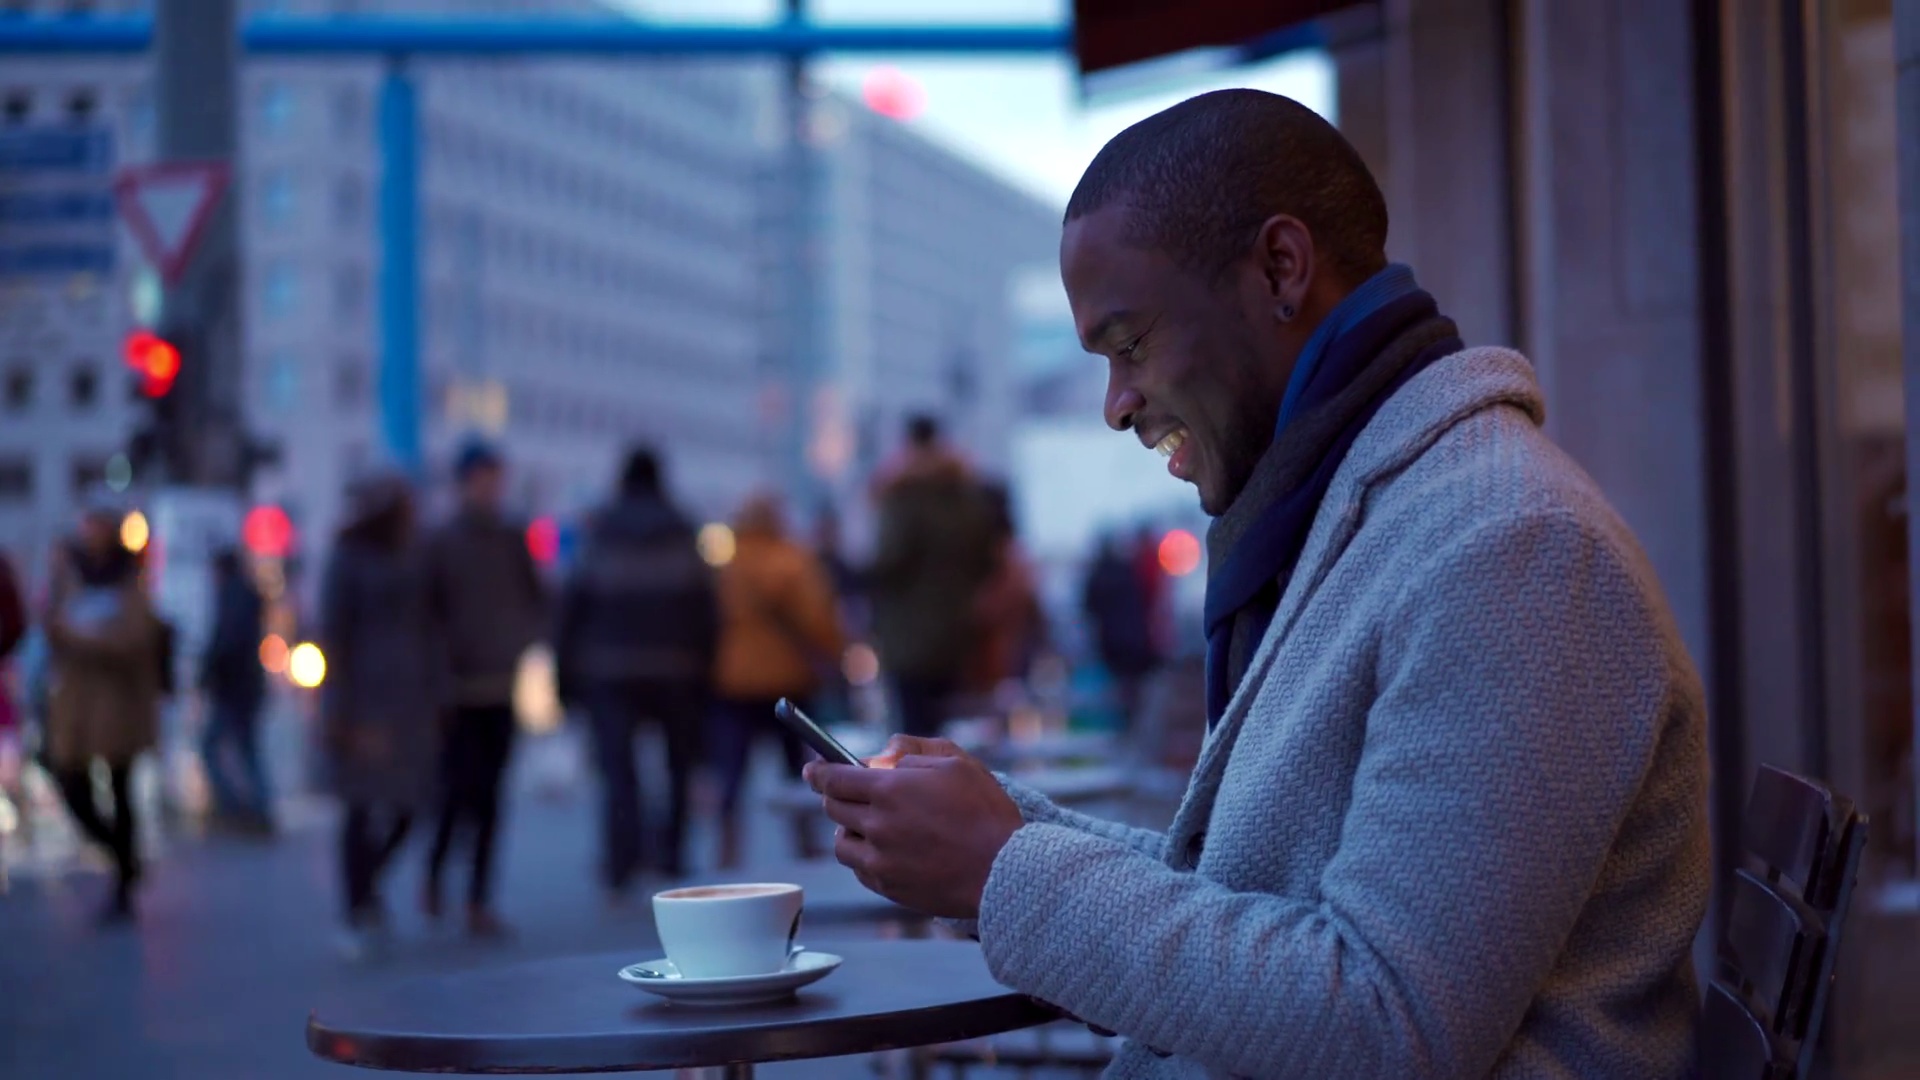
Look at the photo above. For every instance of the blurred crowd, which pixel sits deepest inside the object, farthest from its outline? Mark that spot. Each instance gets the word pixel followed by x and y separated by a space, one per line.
pixel 653 627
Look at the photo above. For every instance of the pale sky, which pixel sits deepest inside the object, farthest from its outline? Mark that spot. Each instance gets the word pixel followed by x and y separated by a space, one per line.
pixel 1019 116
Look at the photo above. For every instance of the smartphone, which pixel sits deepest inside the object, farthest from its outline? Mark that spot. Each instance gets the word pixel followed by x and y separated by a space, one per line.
pixel 814 735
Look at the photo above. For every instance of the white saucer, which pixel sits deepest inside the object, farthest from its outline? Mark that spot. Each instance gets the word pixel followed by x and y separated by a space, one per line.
pixel 661 978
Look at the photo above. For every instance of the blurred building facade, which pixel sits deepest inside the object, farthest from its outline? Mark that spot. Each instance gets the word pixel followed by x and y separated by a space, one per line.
pixel 601 262
pixel 66 404
pixel 913 250
pixel 580 282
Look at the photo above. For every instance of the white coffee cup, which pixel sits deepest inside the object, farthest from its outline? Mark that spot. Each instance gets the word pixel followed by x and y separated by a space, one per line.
pixel 725 931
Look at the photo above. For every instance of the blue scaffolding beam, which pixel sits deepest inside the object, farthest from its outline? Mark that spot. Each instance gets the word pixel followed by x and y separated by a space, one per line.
pixel 284 35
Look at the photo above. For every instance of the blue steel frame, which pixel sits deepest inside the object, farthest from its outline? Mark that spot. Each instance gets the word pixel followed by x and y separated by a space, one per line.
pixel 399 384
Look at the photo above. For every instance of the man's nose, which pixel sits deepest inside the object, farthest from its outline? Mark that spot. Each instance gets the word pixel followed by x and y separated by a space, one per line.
pixel 1123 405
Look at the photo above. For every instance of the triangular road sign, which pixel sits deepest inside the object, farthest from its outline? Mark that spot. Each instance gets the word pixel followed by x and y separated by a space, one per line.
pixel 167 206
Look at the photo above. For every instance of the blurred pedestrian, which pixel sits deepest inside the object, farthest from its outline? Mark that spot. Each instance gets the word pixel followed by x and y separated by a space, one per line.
pixel 937 548
pixel 13 629
pixel 849 585
pixel 1007 613
pixel 1118 606
pixel 235 686
pixel 489 598
pixel 104 655
pixel 1153 581
pixel 384 691
pixel 780 636
pixel 634 643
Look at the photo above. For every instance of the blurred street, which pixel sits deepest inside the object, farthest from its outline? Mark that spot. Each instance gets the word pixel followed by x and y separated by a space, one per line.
pixel 236 939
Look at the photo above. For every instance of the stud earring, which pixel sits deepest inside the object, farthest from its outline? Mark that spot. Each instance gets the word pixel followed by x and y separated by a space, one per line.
pixel 1286 312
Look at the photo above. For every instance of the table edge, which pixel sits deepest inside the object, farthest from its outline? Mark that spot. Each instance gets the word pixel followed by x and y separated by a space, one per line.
pixel 586 1053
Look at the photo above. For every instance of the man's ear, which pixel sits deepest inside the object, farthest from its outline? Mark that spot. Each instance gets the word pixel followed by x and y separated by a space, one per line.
pixel 1283 249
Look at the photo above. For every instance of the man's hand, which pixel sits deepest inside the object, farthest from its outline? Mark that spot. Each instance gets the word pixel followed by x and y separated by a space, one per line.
pixel 922 827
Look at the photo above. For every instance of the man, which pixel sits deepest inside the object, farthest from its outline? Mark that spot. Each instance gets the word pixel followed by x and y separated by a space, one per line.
pixel 1450 820
pixel 488 595
pixel 935 552
pixel 235 686
pixel 104 644
pixel 637 632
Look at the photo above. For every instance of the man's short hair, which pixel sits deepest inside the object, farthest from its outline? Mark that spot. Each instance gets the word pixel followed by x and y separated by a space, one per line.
pixel 1201 177
pixel 923 430
pixel 641 473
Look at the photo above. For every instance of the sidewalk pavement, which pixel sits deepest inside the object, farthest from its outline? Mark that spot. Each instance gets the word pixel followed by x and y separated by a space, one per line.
pixel 235 942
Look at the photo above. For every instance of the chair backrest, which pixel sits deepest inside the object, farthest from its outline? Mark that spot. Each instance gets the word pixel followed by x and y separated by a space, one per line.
pixel 1802 847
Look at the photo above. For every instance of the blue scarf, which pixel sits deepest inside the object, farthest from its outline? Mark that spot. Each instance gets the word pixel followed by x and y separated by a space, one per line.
pixel 1369 346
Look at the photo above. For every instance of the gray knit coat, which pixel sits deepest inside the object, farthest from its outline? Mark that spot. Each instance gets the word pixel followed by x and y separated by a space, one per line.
pixel 1454 821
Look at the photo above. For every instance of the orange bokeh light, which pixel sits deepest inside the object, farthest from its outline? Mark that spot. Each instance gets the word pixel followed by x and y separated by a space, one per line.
pixel 273 654
pixel 1179 553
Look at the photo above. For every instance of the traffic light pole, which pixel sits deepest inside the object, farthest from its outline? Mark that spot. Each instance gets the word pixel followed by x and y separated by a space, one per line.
pixel 195 58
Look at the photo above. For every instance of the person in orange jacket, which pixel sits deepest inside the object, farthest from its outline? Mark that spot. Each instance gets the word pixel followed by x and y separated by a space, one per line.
pixel 780 636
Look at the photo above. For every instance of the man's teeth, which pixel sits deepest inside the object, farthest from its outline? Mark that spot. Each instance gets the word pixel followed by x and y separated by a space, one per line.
pixel 1171 443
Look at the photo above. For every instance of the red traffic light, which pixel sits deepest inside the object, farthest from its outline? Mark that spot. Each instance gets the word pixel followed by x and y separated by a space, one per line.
pixel 267 532
pixel 155 360
pixel 543 540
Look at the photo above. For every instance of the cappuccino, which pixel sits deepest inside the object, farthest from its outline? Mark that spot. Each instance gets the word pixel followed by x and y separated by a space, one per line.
pixel 727 931
pixel 723 892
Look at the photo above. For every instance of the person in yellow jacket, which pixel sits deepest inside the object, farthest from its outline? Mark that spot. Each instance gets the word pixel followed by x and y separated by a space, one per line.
pixel 780 636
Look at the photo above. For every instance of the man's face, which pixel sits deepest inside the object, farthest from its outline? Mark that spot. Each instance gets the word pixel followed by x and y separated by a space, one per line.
pixel 1195 367
pixel 483 487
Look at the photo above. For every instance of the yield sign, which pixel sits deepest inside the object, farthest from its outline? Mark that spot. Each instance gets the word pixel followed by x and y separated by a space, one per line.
pixel 167 206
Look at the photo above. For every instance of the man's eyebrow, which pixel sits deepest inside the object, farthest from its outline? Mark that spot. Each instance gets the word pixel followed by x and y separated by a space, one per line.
pixel 1105 328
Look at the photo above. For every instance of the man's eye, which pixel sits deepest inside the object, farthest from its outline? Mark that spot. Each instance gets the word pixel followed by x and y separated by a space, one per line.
pixel 1128 350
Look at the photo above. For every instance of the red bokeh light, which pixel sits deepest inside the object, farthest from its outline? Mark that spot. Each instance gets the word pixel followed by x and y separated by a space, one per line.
pixel 267 532
pixel 155 360
pixel 893 94
pixel 1179 553
pixel 543 540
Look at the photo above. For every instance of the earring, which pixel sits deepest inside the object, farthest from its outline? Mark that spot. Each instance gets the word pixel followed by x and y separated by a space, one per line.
pixel 1286 312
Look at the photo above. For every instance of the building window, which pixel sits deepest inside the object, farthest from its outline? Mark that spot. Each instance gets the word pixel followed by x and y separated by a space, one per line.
pixel 16 478
pixel 349 291
pixel 280 293
pixel 89 474
pixel 277 198
pixel 18 390
pixel 350 384
pixel 349 113
pixel 283 382
pixel 83 387
pixel 349 201
pixel 276 104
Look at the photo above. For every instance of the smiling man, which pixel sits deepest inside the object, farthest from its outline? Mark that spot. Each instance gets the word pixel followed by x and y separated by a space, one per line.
pixel 1450 819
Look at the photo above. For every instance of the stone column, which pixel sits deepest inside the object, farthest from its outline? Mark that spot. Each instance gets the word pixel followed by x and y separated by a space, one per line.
pixel 1611 268
pixel 1906 26
pixel 1422 96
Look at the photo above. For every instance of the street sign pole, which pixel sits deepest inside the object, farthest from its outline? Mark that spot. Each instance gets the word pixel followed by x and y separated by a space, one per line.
pixel 195 53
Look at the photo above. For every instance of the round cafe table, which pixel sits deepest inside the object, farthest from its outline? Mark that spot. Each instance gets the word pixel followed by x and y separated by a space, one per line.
pixel 574 1015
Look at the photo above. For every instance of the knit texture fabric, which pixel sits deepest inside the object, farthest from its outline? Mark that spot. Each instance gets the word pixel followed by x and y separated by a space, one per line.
pixel 1453 823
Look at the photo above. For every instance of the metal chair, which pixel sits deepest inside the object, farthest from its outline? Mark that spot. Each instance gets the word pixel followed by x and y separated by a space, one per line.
pixel 1802 846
